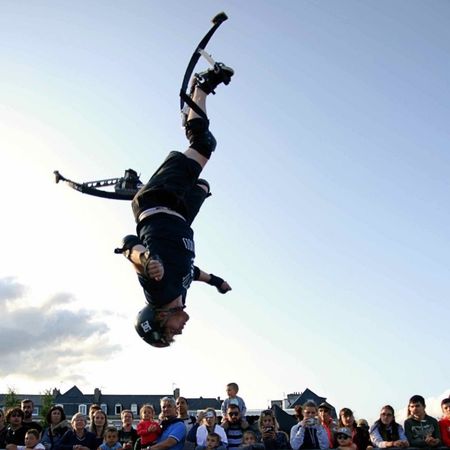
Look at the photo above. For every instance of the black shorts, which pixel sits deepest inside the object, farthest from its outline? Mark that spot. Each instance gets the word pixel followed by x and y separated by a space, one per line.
pixel 173 185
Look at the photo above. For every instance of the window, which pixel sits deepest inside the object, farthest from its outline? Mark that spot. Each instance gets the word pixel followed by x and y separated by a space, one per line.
pixel 36 411
pixel 104 407
pixel 82 409
pixel 133 408
pixel 117 409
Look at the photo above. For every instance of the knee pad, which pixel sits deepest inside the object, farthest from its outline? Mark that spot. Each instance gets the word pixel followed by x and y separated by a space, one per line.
pixel 200 138
pixel 202 182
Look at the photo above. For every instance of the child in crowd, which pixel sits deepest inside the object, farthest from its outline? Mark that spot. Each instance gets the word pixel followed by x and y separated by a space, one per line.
pixel 213 442
pixel 249 438
pixel 249 441
pixel 344 439
pixel 111 439
pixel 444 423
pixel 233 399
pixel 148 429
pixel 32 441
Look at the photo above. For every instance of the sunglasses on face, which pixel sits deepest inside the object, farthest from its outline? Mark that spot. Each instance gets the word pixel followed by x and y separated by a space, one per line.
pixel 342 436
pixel 387 414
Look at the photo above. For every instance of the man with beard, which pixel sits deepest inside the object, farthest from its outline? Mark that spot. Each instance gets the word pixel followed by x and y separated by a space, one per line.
pixel 27 406
pixel 234 426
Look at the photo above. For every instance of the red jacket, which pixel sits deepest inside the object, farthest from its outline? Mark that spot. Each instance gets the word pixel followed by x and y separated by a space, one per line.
pixel 444 426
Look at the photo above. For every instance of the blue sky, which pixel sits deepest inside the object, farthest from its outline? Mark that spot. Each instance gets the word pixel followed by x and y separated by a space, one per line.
pixel 329 215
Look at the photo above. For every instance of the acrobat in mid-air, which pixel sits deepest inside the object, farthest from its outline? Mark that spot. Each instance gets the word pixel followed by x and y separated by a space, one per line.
pixel 163 250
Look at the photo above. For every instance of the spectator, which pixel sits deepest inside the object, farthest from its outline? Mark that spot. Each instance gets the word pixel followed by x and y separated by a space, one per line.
pixel 31 441
pixel 192 435
pixel 3 428
pixel 212 443
pixel 298 412
pixel 127 434
pixel 308 433
pixel 92 409
pixel 444 423
pixel 148 429
pixel 344 439
pixel 325 419
pixel 249 438
pixel 173 429
pixel 57 427
pixel 98 425
pixel 233 399
pixel 386 432
pixel 27 406
pixel 360 436
pixel 362 423
pixel 111 440
pixel 421 429
pixel 210 425
pixel 271 436
pixel 183 414
pixel 78 438
pixel 234 426
pixel 15 433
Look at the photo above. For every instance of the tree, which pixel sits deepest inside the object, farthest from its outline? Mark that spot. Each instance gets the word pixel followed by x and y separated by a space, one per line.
pixel 47 401
pixel 11 399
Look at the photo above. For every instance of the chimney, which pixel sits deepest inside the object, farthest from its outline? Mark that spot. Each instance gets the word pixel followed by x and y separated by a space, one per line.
pixel 97 395
pixel 56 392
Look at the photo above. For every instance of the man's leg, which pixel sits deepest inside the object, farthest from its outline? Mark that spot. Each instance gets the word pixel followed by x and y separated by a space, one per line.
pixel 201 126
pixel 202 142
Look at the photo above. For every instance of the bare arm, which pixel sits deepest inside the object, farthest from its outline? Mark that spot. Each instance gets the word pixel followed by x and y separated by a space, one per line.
pixel 144 263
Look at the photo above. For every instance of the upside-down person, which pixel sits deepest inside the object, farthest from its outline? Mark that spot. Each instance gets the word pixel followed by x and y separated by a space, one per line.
pixel 164 209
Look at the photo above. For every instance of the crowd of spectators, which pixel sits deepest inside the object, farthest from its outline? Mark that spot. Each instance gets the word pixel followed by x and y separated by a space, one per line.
pixel 175 429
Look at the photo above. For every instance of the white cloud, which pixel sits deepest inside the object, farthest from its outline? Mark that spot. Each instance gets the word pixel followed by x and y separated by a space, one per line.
pixel 41 341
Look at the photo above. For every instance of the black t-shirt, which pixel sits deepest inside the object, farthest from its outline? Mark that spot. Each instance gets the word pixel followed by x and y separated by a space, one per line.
pixel 128 436
pixel 16 437
pixel 172 240
pixel 31 425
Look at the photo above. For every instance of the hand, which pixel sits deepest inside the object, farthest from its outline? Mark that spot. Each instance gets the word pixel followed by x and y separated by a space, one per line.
pixel 268 434
pixel 153 427
pixel 224 288
pixel 155 269
pixel 219 283
pixel 430 440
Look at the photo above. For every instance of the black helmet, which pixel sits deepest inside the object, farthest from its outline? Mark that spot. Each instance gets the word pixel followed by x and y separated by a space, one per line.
pixel 149 328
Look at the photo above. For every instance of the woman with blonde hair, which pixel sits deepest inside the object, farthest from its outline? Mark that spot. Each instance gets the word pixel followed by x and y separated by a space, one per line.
pixel 271 436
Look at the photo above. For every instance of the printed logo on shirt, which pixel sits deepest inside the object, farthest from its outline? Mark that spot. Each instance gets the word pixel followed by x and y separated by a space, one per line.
pixel 188 244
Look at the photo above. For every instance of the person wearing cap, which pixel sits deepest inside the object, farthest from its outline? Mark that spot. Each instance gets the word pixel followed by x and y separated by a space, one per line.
pixel 360 436
pixel 327 421
pixel 309 433
pixel 210 425
pixel 344 439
